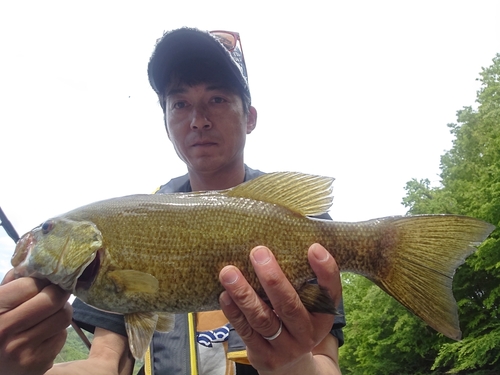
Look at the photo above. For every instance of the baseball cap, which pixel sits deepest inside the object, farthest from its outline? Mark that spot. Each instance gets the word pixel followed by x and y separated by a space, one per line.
pixel 187 43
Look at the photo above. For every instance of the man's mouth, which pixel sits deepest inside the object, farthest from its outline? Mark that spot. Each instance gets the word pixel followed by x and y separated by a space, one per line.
pixel 204 144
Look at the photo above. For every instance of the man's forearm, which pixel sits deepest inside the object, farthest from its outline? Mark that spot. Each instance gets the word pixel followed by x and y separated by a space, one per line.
pixel 109 355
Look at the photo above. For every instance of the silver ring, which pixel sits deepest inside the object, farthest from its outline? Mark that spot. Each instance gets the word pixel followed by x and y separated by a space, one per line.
pixel 271 338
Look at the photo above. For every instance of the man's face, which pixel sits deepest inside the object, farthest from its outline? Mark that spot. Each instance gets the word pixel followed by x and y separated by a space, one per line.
pixel 207 126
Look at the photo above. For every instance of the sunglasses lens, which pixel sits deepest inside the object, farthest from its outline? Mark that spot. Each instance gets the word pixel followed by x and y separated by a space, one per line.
pixel 227 39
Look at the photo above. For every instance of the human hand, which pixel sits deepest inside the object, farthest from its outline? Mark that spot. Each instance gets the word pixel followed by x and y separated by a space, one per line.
pixel 34 315
pixel 253 319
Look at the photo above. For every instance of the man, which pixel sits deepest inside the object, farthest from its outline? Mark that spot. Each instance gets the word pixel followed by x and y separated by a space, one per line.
pixel 201 82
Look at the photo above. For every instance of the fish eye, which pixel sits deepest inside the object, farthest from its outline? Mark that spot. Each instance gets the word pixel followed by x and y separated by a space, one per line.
pixel 47 226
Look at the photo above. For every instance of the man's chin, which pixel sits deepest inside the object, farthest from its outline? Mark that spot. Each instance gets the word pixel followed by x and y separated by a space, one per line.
pixel 205 164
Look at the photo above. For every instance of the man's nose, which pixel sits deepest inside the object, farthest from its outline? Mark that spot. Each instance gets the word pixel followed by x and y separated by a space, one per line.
pixel 200 119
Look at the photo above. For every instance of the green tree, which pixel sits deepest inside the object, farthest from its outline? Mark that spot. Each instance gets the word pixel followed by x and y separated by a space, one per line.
pixel 381 336
pixel 470 185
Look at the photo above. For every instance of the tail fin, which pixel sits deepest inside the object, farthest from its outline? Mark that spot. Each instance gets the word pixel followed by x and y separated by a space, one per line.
pixel 429 250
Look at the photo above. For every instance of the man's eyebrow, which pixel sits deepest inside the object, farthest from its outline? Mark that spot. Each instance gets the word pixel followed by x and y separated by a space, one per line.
pixel 175 91
pixel 216 87
pixel 183 89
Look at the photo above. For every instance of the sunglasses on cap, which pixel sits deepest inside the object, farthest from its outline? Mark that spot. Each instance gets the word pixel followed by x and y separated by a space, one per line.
pixel 230 39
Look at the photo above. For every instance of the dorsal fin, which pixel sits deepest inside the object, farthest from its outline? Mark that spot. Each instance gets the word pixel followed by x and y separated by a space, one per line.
pixel 305 194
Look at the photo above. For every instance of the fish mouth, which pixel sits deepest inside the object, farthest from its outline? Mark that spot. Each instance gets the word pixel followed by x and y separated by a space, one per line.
pixel 21 257
pixel 89 274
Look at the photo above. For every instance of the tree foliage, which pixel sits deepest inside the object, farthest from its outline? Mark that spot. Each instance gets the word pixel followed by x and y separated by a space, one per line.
pixel 470 185
pixel 381 336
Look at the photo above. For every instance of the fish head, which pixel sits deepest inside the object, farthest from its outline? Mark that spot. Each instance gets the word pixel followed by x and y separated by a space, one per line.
pixel 59 250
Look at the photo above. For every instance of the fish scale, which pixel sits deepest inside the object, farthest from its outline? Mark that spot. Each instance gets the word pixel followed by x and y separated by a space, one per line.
pixel 204 230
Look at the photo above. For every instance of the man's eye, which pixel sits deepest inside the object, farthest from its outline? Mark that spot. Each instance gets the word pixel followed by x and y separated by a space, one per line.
pixel 218 99
pixel 179 105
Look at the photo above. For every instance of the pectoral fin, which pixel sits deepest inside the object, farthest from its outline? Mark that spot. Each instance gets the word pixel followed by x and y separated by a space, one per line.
pixel 131 281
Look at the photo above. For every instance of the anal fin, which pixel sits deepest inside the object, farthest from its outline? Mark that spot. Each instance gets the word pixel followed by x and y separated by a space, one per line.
pixel 317 299
pixel 166 322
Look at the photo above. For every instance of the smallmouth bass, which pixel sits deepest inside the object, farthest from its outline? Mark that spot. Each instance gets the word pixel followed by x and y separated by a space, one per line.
pixel 148 256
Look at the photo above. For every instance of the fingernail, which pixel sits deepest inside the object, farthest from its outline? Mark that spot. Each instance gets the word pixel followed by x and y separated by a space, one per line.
pixel 261 255
pixel 229 276
pixel 320 253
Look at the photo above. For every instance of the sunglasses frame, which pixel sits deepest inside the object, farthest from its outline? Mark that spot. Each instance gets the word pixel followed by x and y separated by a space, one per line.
pixel 236 37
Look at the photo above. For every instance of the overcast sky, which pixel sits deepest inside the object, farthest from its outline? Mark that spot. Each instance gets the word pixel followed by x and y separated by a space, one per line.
pixel 359 90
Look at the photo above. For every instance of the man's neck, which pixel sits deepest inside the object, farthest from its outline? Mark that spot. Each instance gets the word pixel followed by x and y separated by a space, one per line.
pixel 217 180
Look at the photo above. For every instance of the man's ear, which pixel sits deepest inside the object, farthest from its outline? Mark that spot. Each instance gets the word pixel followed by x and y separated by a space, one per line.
pixel 251 119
